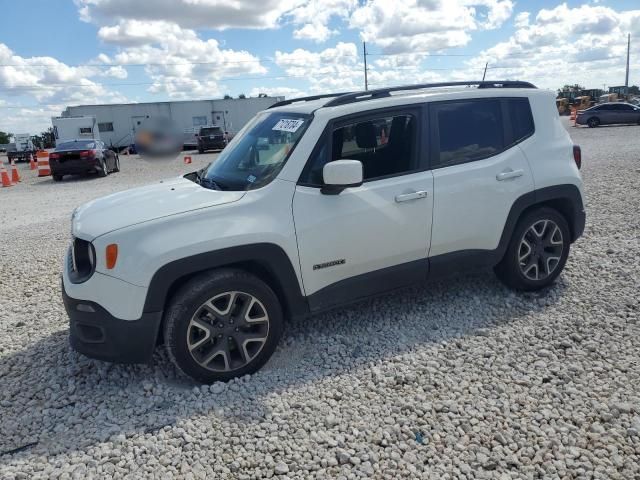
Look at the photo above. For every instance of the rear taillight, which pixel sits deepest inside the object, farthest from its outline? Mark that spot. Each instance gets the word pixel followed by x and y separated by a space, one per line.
pixel 88 153
pixel 577 156
pixel 54 156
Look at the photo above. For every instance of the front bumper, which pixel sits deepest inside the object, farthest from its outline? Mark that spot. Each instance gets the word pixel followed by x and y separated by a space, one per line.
pixel 96 333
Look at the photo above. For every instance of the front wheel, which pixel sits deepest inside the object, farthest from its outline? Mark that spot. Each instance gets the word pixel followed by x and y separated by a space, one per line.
pixel 222 324
pixel 593 122
pixel 537 252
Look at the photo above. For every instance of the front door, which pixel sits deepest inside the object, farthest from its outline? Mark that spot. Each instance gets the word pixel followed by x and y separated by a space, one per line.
pixel 373 237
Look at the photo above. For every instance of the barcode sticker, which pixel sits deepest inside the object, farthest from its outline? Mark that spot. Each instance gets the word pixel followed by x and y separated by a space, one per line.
pixel 288 125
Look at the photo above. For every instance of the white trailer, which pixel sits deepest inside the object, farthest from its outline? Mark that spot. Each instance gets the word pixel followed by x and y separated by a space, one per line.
pixel 75 128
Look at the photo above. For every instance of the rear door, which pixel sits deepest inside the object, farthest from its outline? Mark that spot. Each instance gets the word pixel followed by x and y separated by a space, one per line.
pixel 626 112
pixel 478 171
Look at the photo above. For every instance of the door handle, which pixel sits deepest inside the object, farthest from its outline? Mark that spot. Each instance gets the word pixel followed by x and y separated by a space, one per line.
pixel 406 197
pixel 509 174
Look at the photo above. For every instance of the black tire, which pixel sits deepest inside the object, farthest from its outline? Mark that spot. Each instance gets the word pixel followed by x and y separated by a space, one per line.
pixel 103 171
pixel 189 300
pixel 510 270
pixel 593 122
pixel 57 178
pixel 116 164
pixel 200 151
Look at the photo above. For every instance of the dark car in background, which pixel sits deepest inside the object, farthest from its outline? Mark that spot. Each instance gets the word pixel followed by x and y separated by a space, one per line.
pixel 609 114
pixel 211 138
pixel 82 156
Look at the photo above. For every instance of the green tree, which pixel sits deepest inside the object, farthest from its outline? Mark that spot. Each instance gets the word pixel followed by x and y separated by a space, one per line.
pixel 4 137
pixel 242 95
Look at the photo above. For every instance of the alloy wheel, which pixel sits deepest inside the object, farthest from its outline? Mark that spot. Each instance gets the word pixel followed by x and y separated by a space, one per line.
pixel 227 331
pixel 540 250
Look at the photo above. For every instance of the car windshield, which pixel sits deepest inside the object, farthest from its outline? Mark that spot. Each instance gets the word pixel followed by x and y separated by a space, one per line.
pixel 210 131
pixel 257 154
pixel 77 145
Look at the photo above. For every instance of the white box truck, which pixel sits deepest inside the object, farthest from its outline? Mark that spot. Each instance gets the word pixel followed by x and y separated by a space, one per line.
pixel 74 128
pixel 22 148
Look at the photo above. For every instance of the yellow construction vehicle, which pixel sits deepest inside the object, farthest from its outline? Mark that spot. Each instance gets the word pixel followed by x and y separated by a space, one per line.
pixel 563 106
pixel 582 103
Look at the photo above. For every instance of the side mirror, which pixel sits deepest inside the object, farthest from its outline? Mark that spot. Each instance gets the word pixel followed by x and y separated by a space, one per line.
pixel 341 174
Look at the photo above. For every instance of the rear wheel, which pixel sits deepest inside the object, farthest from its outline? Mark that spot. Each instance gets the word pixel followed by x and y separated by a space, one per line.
pixel 200 151
pixel 222 324
pixel 116 164
pixel 103 171
pixel 593 122
pixel 537 252
pixel 57 178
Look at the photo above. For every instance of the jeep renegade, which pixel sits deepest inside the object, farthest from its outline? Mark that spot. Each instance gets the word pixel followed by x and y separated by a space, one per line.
pixel 318 202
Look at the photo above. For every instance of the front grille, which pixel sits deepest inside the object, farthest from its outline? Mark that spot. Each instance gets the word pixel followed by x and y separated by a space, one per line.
pixel 82 260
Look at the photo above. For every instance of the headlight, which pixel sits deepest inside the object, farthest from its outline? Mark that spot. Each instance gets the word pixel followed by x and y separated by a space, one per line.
pixel 83 261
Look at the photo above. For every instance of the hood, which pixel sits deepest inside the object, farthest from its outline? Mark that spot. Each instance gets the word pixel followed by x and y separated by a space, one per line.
pixel 137 205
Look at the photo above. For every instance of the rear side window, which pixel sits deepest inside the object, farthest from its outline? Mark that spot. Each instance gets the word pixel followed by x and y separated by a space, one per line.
pixel 521 118
pixel 467 130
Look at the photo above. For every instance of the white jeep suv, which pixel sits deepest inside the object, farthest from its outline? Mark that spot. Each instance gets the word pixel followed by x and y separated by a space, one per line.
pixel 318 202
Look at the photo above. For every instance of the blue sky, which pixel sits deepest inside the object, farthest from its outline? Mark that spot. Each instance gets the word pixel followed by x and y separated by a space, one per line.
pixel 102 51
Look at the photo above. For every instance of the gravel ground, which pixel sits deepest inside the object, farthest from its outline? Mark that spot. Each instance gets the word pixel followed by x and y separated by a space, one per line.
pixel 458 379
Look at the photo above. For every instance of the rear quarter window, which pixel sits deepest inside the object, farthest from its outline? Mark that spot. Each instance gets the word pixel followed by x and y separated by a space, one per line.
pixel 521 119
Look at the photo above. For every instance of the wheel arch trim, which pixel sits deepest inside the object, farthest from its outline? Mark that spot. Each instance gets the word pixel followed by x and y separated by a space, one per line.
pixel 262 259
pixel 565 198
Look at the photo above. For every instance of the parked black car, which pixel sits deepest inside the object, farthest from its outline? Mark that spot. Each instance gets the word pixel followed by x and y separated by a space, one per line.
pixel 609 114
pixel 211 138
pixel 82 156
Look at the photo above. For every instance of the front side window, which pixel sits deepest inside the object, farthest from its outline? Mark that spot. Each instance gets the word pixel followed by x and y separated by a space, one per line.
pixel 468 130
pixel 257 153
pixel 385 146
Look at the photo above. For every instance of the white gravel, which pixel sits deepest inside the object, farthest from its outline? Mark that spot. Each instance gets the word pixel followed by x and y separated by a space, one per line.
pixel 458 379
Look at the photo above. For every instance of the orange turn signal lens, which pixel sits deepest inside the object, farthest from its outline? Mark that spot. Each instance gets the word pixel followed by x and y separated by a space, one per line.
pixel 111 255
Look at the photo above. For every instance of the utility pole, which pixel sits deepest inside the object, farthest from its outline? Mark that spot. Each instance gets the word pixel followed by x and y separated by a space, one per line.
pixel 364 52
pixel 626 78
pixel 485 70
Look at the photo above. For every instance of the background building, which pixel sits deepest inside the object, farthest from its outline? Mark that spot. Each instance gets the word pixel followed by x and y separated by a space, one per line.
pixel 117 123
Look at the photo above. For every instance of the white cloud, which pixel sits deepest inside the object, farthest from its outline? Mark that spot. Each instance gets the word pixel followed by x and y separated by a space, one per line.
pixel 182 65
pixel 427 25
pixel 522 20
pixel 332 69
pixel 315 15
pixel 216 14
pixel 137 32
pixel 586 44
pixel 51 81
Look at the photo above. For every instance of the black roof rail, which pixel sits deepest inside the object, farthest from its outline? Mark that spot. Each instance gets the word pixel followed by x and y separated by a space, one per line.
pixel 386 92
pixel 307 99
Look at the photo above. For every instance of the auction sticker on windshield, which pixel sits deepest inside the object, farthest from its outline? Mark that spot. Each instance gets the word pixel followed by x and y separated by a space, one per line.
pixel 288 125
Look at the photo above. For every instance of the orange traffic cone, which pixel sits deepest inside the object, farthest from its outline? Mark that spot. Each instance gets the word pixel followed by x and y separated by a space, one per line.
pixel 44 170
pixel 32 163
pixel 187 159
pixel 4 175
pixel 15 175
